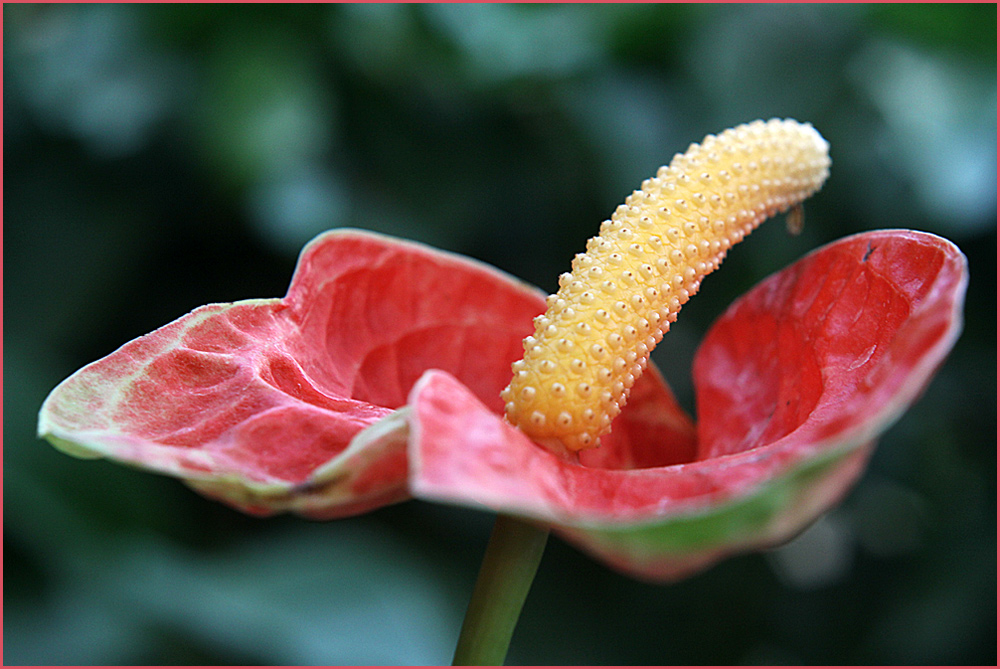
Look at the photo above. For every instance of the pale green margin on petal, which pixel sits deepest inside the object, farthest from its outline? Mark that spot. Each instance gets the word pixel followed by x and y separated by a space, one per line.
pixel 779 509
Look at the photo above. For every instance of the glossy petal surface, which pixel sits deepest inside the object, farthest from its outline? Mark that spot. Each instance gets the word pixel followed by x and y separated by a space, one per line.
pixel 274 405
pixel 305 403
pixel 794 383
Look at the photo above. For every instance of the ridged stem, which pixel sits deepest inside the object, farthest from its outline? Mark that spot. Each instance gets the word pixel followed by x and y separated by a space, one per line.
pixel 512 556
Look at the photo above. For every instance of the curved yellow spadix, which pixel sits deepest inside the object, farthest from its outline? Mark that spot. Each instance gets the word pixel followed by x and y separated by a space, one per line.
pixel 594 340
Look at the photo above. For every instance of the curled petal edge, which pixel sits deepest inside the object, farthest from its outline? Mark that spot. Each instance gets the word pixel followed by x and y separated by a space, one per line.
pixel 463 454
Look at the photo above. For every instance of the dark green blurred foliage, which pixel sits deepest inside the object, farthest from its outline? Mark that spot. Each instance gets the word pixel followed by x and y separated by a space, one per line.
pixel 160 157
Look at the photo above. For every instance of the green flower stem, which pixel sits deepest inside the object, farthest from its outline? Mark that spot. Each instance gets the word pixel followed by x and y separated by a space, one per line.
pixel 509 566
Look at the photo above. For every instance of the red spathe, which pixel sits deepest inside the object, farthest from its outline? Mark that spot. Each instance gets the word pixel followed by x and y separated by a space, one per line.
pixel 378 376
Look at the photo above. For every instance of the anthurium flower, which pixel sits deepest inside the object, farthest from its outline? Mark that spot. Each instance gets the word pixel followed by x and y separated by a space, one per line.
pixel 378 377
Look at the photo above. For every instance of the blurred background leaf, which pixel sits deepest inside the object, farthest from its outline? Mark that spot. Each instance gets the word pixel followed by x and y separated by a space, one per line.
pixel 160 157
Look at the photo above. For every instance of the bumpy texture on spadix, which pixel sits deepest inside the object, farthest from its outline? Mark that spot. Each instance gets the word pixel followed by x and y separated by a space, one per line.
pixel 594 340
